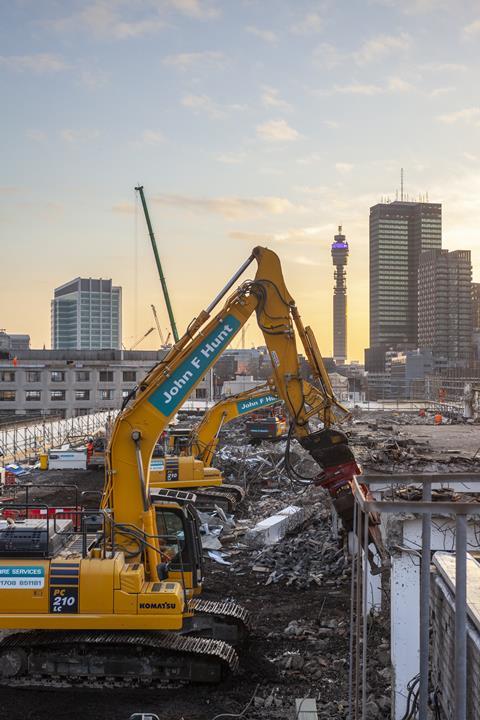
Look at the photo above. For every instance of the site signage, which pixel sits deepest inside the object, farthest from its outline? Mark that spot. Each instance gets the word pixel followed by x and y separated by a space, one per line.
pixel 172 392
pixel 245 406
pixel 22 577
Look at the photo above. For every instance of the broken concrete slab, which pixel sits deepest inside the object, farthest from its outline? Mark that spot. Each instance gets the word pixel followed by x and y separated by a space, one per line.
pixel 274 528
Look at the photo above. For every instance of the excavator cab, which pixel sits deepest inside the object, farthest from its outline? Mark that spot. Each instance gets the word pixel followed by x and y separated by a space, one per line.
pixel 178 529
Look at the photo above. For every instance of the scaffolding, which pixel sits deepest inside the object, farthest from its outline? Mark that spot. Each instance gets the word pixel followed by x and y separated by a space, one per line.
pixel 24 442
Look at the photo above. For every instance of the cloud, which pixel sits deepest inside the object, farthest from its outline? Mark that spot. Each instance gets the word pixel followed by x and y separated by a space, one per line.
pixel 419 7
pixel 270 98
pixel 331 124
pixel 344 167
pixel 152 137
pixel 267 35
pixel 436 92
pixel 202 103
pixel 309 25
pixel 36 135
pixel 198 9
pixel 396 84
pixel 358 89
pixel 472 30
pixel 229 207
pixel 39 64
pixel 124 208
pixel 471 158
pixel 444 67
pixel 306 260
pixel 231 158
pixel 469 116
pixel 105 18
pixel 93 78
pixel 310 159
pixel 328 56
pixel 277 131
pixel 312 189
pixel 184 61
pixel 392 85
pixel 9 189
pixel 294 236
pixel 78 136
pixel 381 45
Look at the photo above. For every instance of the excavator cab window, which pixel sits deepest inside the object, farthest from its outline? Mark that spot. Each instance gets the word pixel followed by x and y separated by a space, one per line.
pixel 178 533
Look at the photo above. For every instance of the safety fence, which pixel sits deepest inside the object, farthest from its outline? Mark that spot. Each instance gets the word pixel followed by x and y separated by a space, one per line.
pixel 457 519
pixel 20 443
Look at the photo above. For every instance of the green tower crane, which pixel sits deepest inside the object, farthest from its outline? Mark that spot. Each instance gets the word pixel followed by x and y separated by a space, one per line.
pixel 139 189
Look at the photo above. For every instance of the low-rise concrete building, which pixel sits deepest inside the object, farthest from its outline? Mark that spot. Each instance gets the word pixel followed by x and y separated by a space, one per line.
pixel 67 383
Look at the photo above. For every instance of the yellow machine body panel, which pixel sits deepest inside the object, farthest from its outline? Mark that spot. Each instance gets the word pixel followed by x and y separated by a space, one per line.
pixel 165 596
pixel 24 586
pixel 86 593
pixel 183 471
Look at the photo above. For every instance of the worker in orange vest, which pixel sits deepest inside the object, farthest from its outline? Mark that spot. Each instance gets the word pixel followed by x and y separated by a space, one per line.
pixel 437 419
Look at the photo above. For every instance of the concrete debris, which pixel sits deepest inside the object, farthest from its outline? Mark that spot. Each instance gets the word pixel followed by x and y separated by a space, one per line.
pixel 274 528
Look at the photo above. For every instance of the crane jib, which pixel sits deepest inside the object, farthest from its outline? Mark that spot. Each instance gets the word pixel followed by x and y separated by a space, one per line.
pixel 172 392
pixel 245 406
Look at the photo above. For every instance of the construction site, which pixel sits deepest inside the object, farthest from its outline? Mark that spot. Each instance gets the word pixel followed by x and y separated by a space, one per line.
pixel 240 466
pixel 274 554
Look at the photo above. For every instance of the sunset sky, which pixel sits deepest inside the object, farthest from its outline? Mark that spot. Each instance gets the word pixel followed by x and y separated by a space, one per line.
pixel 248 122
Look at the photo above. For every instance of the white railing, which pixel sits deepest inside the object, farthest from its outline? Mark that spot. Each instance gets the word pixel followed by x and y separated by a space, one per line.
pixel 22 442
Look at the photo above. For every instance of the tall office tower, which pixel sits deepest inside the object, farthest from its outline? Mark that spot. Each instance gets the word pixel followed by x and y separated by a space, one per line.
pixel 86 313
pixel 476 305
pixel 399 232
pixel 445 321
pixel 340 258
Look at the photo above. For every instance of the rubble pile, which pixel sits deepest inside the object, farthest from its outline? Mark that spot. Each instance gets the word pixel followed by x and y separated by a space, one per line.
pixel 383 447
pixel 310 556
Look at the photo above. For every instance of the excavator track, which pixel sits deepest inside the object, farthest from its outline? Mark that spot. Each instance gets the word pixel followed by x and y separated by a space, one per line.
pixel 224 621
pixel 227 497
pixel 224 609
pixel 112 659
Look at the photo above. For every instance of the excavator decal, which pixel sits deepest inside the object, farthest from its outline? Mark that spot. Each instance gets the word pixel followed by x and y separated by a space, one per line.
pixel 246 406
pixel 179 385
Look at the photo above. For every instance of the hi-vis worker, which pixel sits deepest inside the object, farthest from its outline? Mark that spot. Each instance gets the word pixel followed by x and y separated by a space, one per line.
pixel 438 419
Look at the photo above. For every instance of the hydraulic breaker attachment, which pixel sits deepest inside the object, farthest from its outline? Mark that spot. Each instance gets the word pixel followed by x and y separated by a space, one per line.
pixel 330 449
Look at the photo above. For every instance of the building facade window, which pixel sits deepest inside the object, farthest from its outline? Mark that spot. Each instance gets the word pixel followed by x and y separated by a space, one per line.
pixel 105 394
pixel 33 376
pixel 33 395
pixel 82 375
pixel 57 376
pixel 129 376
pixel 82 394
pixel 106 375
pixel 201 393
pixel 125 394
pixel 57 395
pixel 7 395
pixel 7 376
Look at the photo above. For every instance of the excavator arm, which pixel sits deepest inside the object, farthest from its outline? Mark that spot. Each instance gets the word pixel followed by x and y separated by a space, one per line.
pixel 168 385
pixel 204 437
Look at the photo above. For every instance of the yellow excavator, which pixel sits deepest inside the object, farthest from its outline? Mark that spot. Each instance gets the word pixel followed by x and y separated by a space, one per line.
pixel 117 601
pixel 192 470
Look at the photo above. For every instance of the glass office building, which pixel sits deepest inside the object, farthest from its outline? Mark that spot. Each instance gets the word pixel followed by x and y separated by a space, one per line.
pixel 86 314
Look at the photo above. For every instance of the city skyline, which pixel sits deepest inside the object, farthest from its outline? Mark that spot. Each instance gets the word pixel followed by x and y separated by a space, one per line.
pixel 197 101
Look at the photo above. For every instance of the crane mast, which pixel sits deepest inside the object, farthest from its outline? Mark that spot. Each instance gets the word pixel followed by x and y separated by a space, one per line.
pixel 163 282
pixel 162 339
